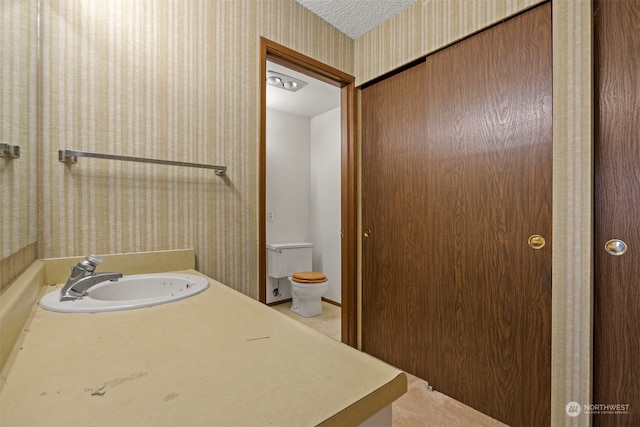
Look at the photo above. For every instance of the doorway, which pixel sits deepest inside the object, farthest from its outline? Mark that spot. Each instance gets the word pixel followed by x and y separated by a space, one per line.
pixel 280 56
pixel 303 176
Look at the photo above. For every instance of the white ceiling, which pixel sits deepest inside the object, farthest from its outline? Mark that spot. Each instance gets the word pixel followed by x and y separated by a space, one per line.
pixel 355 17
pixel 315 98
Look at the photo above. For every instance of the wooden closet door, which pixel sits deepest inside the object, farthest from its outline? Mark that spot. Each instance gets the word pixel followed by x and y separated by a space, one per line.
pixel 617 202
pixel 456 179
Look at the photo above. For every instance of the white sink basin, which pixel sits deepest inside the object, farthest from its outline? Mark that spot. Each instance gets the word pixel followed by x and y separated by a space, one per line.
pixel 128 293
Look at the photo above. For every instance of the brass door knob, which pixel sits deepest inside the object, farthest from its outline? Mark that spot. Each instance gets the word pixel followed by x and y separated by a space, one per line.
pixel 367 233
pixel 536 241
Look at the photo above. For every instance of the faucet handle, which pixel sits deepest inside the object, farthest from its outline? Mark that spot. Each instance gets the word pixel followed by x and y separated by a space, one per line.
pixel 89 263
pixel 94 259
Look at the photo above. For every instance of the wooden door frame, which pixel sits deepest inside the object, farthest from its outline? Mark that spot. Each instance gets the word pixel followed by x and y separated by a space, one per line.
pixel 289 58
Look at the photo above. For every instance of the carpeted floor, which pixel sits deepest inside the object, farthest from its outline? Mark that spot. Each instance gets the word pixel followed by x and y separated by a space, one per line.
pixel 420 406
pixel 328 322
pixel 423 406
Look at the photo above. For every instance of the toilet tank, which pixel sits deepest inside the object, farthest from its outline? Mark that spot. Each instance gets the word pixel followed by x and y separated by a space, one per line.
pixel 284 259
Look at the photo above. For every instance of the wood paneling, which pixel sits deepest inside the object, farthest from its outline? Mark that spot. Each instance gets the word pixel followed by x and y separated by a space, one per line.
pixel 617 197
pixel 456 177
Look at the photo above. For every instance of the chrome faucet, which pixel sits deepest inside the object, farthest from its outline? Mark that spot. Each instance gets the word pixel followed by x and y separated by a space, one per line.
pixel 83 277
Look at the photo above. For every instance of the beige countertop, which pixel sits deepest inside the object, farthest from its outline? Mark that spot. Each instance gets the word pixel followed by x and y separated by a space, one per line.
pixel 216 359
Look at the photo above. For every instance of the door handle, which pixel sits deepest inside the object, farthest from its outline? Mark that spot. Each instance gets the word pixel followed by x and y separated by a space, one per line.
pixel 367 233
pixel 536 241
pixel 615 247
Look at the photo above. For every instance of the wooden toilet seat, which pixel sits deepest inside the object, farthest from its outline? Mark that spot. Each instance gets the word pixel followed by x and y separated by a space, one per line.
pixel 308 277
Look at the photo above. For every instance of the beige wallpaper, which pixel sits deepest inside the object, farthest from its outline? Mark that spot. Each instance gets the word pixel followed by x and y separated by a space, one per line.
pixel 573 107
pixel 175 80
pixel 179 80
pixel 18 118
pixel 424 27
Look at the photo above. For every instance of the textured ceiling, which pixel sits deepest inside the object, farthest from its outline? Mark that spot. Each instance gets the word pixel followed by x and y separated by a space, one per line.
pixel 352 17
pixel 355 17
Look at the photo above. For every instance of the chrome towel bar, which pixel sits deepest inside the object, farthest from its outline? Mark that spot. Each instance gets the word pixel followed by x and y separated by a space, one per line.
pixel 70 156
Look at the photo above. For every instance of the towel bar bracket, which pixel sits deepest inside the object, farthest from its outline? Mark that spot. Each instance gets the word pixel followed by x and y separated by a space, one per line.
pixel 10 151
pixel 63 156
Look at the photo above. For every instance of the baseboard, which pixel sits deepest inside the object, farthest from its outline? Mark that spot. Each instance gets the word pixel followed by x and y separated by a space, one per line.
pixel 271 304
pixel 332 302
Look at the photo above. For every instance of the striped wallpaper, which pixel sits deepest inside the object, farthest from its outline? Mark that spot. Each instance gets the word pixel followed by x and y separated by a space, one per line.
pixel 179 80
pixel 18 126
pixel 573 135
pixel 424 27
pixel 174 80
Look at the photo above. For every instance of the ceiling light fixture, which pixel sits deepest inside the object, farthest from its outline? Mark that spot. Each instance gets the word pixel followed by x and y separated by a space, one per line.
pixel 273 80
pixel 284 82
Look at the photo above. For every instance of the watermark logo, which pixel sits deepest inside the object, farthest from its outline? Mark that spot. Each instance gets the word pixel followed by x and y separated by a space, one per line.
pixel 573 409
pixel 606 408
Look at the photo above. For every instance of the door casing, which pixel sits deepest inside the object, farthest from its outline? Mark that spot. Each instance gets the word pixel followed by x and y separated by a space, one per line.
pixel 289 58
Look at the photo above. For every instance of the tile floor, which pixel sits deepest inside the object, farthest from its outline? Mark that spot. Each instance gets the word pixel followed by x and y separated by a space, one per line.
pixel 421 405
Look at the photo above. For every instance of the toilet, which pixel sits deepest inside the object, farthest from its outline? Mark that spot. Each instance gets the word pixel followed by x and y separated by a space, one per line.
pixel 293 261
pixel 307 290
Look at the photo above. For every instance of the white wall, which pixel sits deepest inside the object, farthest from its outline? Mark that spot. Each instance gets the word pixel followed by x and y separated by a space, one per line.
pixel 325 198
pixel 288 180
pixel 303 191
pixel 288 183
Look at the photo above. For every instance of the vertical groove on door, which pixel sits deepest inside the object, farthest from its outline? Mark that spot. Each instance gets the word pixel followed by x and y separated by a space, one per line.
pixel 456 177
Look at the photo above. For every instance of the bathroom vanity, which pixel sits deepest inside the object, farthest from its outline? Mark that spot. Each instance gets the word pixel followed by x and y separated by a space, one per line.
pixel 218 358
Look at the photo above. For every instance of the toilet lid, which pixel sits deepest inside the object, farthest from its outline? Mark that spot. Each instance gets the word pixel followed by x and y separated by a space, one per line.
pixel 308 277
